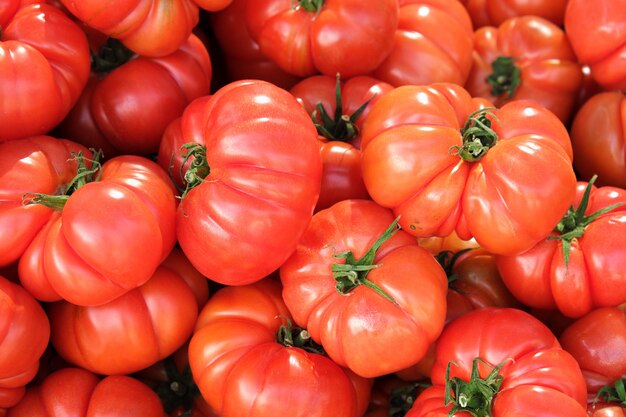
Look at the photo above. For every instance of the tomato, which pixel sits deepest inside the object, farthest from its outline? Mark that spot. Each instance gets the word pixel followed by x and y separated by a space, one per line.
pixel 257 179
pixel 501 362
pixel 243 369
pixel 24 335
pixel 597 33
pixel 605 410
pixel 44 65
pixel 494 12
pixel 359 286
pixel 598 139
pixel 158 88
pixel 444 163
pixel 581 265
pixel 349 37
pixel 92 246
pixel 422 52
pixel 76 392
pixel 598 342
pixel 147 323
pixel 526 57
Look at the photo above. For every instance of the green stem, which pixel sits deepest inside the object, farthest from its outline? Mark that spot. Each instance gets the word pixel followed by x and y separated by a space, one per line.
pixel 112 54
pixel 353 272
pixel 401 398
pixel 199 168
pixel 447 259
pixel 179 390
pixel 478 136
pixel 313 6
pixel 505 77
pixel 293 336
pixel 615 393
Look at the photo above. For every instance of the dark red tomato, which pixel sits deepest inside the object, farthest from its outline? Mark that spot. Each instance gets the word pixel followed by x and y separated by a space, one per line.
pixel 244 366
pixel 363 289
pixel 599 139
pixel 501 362
pixel 254 181
pixel 24 335
pixel 598 342
pixel 494 12
pixel 76 392
pixel 422 52
pixel 597 32
pixel 44 65
pixel 127 105
pixel 305 37
pixel 526 57
pixel 581 265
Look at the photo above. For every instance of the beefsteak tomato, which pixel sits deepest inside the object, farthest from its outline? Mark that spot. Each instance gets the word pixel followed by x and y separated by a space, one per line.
pixel 494 12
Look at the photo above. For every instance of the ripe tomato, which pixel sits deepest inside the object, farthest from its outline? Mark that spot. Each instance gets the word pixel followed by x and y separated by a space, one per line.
pixel 44 65
pixel 76 392
pixel 422 52
pixel 581 265
pixel 305 37
pixel 257 179
pixel 242 369
pixel 24 335
pixel 359 285
pixel 599 140
pixel 444 163
pixel 494 12
pixel 526 57
pixel 501 362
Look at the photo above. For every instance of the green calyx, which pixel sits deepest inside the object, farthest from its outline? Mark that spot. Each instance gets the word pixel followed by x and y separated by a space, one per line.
pixel 615 393
pixel 198 169
pixel 111 55
pixel 478 136
pixel 476 395
pixel 572 225
pixel 505 77
pixel 402 398
pixel 353 272
pixel 447 259
pixel 341 126
pixel 88 170
pixel 292 336
pixel 179 390
pixel 313 6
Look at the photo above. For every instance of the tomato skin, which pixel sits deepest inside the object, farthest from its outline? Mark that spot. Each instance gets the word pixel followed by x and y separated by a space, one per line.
pixel 598 139
pixel 598 36
pixel 501 200
pixel 45 55
pixel 549 71
pixel 494 12
pixel 354 327
pixel 242 371
pixel 422 53
pixel 541 379
pixel 602 409
pixel 265 175
pixel 594 276
pixel 24 335
pixel 76 392
pixel 348 37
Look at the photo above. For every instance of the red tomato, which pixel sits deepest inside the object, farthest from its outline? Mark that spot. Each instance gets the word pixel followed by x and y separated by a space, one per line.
pixel 501 362
pixel 526 57
pixel 127 105
pixel 581 266
pixel 597 32
pixel 75 392
pixel 422 52
pixel 359 285
pixel 147 323
pixel 243 370
pixel 104 239
pixel 494 12
pixel 599 140
pixel 602 409
pixel 24 335
pixel 598 343
pixel 44 65
pixel 503 176
pixel 349 37
pixel 258 175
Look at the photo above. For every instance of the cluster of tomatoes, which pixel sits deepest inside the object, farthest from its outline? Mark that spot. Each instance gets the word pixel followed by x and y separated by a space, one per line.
pixel 321 208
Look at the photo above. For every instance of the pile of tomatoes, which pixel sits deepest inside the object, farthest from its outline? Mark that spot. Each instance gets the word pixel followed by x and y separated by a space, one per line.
pixel 321 208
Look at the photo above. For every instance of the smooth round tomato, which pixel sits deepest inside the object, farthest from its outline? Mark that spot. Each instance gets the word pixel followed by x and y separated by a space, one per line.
pixel 526 57
pixel 243 368
pixel 253 183
pixel 494 12
pixel 24 336
pixel 444 162
pixel 44 65
pixel 76 392
pixel 501 362
pixel 363 288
